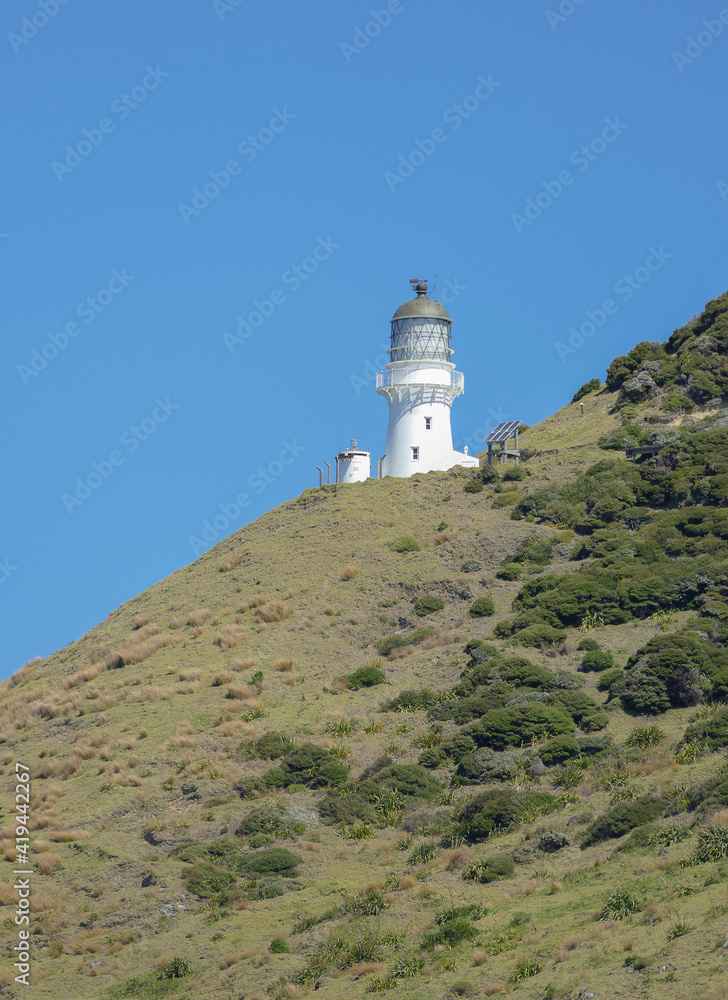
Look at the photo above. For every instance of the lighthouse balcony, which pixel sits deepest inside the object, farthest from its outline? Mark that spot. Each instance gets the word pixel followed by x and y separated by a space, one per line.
pixel 452 379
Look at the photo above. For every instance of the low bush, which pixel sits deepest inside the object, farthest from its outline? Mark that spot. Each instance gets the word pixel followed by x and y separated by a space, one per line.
pixel 587 645
pixel 273 745
pixel 610 679
pixel 500 810
pixel 519 724
pixel 471 566
pixel 483 607
pixel 596 660
pixel 625 816
pixel 206 879
pixel 510 571
pixel 408 779
pixel 367 676
pixel 400 640
pixel 428 605
pixel 558 750
pixel 538 635
pixel 591 386
pixel 474 486
pixel 410 701
pixel 272 861
pixel 309 765
pixel 347 807
pixel 490 870
pixel 487 765
pixel 432 757
pixel 712 732
pixel 406 544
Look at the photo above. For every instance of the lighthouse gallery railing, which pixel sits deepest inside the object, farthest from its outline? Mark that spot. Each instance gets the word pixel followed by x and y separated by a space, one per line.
pixel 389 377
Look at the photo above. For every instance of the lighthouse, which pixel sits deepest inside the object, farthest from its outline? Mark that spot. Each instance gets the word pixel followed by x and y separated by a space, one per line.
pixel 420 383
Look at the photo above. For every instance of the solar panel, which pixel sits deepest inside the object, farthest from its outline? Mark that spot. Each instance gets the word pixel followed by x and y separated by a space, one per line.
pixel 503 431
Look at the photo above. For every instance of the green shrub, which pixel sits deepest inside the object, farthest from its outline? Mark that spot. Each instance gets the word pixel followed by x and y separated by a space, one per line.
pixel 408 779
pixel 205 879
pixel 487 765
pixel 520 672
pixel 514 473
pixel 508 498
pixel 365 677
pixel 471 566
pixel 609 679
pixel 274 745
pixel 409 701
pixel 482 608
pixel 510 571
pixel 558 750
pixel 432 757
pixel 520 724
pixel 428 605
pixel 273 861
pixel 587 645
pixel 491 869
pixel 642 693
pixel 501 809
pixel 473 486
pixel 712 844
pixel 538 635
pixel 400 640
pixel 591 386
pixel 534 549
pixel 178 968
pixel 309 765
pixel 406 544
pixel 712 732
pixel 620 904
pixel 646 737
pixel 279 947
pixel 596 660
pixel 348 807
pixel 625 816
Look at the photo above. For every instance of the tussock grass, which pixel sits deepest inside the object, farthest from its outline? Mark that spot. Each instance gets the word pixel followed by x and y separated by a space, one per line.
pixel 276 611
pixel 231 636
pixel 198 617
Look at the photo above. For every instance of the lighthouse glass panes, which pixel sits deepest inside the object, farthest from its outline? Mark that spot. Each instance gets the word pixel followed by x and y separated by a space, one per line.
pixel 420 340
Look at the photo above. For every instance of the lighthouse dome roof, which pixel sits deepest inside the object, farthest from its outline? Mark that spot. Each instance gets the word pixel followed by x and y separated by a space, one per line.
pixel 422 307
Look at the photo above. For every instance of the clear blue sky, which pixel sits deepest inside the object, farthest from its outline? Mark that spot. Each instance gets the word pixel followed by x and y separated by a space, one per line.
pixel 115 113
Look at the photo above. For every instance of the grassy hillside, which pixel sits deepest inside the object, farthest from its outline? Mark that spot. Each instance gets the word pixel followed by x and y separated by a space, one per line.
pixel 356 746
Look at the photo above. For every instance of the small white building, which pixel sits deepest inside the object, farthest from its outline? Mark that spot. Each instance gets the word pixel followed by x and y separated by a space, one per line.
pixel 352 464
pixel 420 383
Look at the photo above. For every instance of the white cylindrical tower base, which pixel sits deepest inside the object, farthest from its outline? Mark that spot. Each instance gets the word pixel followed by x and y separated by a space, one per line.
pixel 353 465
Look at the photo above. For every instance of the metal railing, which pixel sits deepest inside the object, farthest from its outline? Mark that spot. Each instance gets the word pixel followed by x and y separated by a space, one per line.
pixel 390 377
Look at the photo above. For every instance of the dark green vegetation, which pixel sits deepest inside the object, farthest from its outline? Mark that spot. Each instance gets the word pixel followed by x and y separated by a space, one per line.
pixel 226 802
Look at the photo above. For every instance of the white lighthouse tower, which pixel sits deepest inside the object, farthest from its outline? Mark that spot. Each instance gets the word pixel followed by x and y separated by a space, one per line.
pixel 420 383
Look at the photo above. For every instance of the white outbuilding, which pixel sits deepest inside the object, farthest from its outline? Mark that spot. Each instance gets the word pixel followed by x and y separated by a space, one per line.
pixel 420 383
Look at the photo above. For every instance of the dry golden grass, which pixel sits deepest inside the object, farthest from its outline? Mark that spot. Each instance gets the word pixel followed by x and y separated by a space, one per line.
pixel 283 665
pixel 230 563
pixel 67 836
pixel 48 862
pixel 179 621
pixel 198 617
pixel 138 648
pixel 223 677
pixel 231 636
pixel 242 664
pixel 495 986
pixel 349 572
pixel 242 691
pixel 276 611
